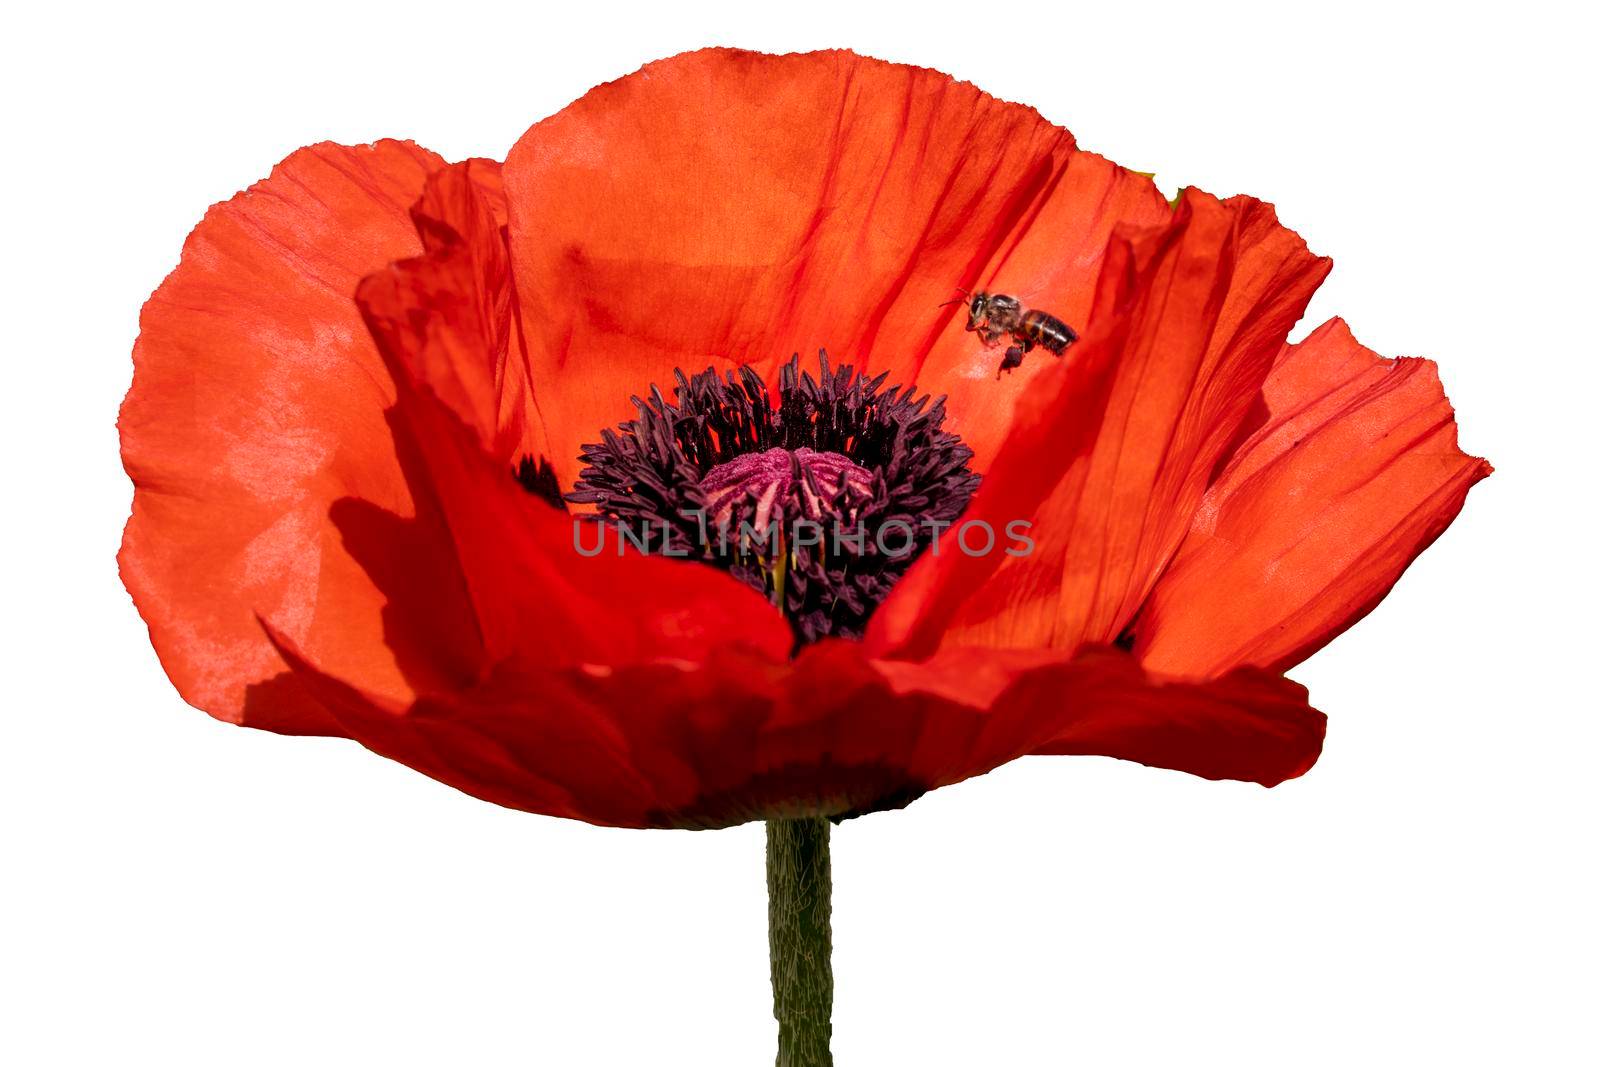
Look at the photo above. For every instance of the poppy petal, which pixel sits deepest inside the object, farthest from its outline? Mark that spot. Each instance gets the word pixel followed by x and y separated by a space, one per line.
pixel 535 588
pixel 463 291
pixel 427 735
pixel 728 207
pixel 1249 725
pixel 552 588
pixel 1052 262
pixel 644 745
pixel 1112 452
pixel 1355 472
pixel 257 401
pixel 739 738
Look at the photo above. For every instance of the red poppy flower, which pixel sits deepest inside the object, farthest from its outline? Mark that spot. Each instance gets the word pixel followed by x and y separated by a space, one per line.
pixel 367 396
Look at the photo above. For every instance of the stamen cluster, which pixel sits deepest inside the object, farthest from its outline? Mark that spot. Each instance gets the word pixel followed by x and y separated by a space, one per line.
pixel 723 475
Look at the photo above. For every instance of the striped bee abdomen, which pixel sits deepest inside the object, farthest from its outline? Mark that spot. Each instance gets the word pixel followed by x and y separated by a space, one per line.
pixel 1047 331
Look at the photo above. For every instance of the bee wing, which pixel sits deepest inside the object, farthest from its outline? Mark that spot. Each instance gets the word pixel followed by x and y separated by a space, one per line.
pixel 1027 292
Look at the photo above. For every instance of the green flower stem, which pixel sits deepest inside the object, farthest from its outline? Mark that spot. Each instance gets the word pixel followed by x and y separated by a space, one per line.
pixel 799 929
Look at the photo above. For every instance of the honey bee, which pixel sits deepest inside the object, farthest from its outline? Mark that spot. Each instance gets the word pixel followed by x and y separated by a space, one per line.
pixel 993 315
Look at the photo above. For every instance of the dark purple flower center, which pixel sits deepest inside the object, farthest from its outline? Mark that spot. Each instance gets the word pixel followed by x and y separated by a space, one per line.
pixel 821 501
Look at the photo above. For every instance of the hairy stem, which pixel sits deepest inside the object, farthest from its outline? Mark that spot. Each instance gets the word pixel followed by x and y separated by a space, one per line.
pixel 799 930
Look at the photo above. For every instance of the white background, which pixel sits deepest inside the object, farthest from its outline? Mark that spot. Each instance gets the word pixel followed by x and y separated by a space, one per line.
pixel 181 892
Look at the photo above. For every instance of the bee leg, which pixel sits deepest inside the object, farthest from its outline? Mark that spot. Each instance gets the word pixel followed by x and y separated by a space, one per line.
pixel 991 334
pixel 1014 354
